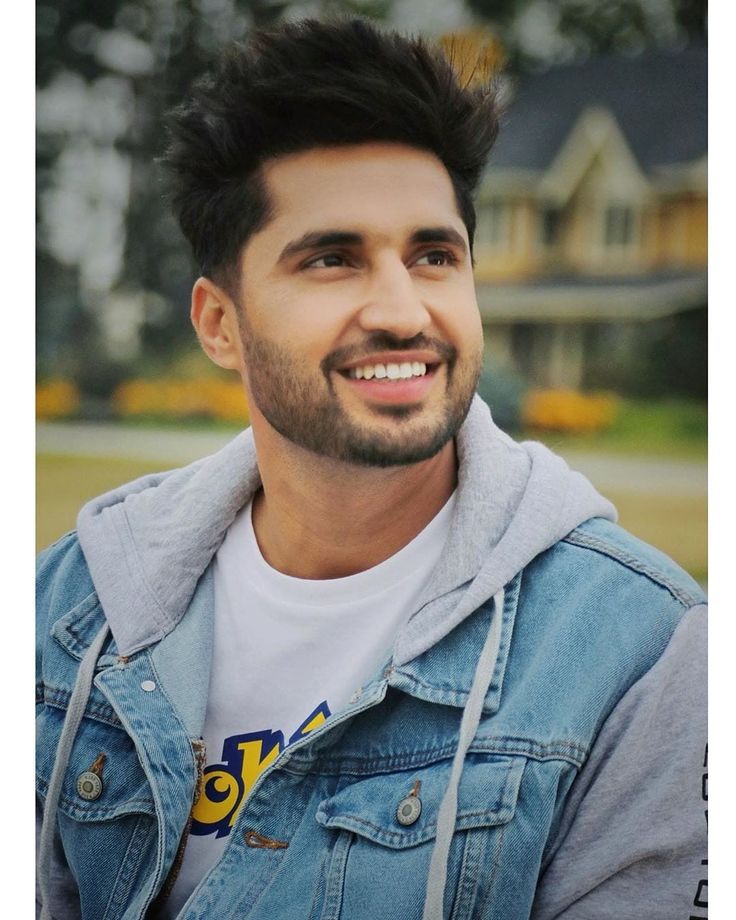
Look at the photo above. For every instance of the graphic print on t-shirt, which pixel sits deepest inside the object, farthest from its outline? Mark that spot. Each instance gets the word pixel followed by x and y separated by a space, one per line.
pixel 244 757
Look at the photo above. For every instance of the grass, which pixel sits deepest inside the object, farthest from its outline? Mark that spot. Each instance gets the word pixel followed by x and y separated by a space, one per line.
pixel 676 429
pixel 677 525
pixel 65 483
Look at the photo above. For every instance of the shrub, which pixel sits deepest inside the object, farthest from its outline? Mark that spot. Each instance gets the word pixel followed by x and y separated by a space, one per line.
pixel 504 392
pixel 179 399
pixel 569 411
pixel 56 399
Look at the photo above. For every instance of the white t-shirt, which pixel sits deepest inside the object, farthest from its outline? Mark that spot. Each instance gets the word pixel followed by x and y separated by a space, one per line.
pixel 288 652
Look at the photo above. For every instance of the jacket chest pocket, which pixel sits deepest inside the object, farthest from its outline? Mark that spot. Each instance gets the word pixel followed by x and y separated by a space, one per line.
pixel 102 749
pixel 105 818
pixel 380 861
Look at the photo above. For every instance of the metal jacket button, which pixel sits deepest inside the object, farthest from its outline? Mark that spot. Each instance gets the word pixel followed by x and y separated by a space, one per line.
pixel 89 786
pixel 409 810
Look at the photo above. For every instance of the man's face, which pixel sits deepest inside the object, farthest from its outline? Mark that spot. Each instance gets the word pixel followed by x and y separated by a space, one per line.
pixel 360 329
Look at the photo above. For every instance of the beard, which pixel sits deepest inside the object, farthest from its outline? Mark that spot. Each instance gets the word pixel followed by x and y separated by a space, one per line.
pixel 305 409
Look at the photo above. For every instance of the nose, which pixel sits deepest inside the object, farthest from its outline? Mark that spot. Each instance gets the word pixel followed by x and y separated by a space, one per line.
pixel 393 303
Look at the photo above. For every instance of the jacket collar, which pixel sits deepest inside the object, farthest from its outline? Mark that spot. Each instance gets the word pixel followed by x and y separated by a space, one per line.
pixel 444 673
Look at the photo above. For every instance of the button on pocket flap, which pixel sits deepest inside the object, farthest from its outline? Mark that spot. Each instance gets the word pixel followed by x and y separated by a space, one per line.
pixel 400 810
pixel 104 778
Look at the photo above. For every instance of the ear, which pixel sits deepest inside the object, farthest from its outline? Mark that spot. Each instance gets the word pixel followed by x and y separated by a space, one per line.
pixel 214 317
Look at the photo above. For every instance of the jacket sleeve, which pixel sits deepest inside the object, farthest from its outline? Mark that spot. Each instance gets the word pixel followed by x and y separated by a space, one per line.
pixel 632 840
pixel 50 572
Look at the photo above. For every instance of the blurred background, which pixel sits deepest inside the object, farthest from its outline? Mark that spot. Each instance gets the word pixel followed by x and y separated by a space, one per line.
pixel 591 245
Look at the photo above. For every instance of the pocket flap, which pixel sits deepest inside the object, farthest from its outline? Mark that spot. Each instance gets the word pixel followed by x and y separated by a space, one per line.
pixel 125 789
pixel 486 796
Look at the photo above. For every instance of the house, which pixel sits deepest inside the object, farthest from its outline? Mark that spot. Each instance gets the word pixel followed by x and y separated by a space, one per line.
pixel 592 214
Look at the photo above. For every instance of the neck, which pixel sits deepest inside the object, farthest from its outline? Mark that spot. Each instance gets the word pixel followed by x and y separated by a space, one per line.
pixel 318 518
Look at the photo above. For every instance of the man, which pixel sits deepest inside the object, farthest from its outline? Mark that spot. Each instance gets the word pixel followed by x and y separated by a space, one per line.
pixel 373 659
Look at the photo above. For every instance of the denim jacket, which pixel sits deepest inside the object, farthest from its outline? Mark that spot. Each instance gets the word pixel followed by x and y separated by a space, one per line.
pixel 574 790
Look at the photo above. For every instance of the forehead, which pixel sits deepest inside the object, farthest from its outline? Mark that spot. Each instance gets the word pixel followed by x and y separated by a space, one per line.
pixel 378 187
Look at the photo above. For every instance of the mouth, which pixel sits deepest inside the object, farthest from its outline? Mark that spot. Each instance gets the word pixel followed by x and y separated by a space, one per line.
pixel 390 371
pixel 393 379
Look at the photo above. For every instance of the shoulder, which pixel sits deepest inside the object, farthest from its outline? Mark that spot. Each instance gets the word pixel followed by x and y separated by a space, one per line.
pixel 596 612
pixel 621 553
pixel 63 583
pixel 601 570
pixel 62 575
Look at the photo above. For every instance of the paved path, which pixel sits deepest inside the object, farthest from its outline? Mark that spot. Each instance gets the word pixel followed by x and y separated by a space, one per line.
pixel 175 447
pixel 168 445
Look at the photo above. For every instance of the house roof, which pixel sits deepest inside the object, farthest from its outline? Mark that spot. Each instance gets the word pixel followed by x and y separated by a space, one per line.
pixel 570 298
pixel 658 98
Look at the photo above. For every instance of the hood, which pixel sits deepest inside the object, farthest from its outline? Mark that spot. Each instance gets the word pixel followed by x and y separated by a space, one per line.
pixel 148 543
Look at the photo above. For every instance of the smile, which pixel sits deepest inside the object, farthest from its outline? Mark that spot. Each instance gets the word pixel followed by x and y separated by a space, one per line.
pixel 392 383
pixel 403 371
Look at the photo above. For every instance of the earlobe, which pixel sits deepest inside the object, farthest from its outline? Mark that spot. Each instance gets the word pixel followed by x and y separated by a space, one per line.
pixel 215 321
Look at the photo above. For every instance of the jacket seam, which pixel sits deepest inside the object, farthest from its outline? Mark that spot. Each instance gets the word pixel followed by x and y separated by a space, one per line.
pixel 568 751
pixel 571 752
pixel 109 813
pixel 75 647
pixel 58 698
pixel 584 540
pixel 413 839
pixel 80 645
pixel 442 688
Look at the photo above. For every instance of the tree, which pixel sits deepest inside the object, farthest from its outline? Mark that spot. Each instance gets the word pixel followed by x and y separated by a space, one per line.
pixel 114 272
pixel 538 32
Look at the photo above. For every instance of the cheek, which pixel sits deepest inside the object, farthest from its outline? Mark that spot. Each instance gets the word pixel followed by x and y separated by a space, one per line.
pixel 462 320
pixel 302 318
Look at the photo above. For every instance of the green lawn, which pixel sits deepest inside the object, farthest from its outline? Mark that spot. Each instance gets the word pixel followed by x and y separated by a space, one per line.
pixel 676 429
pixel 65 483
pixel 677 525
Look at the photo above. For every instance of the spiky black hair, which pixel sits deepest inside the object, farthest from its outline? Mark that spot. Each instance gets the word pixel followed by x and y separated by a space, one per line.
pixel 311 84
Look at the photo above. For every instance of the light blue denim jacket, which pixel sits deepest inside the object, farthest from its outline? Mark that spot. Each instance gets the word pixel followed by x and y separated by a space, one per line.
pixel 544 704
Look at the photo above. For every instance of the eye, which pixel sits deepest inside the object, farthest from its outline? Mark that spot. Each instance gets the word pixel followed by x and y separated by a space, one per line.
pixel 437 257
pixel 328 260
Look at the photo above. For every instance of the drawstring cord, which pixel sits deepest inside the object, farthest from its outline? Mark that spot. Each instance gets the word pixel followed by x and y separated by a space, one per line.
pixel 435 893
pixel 74 713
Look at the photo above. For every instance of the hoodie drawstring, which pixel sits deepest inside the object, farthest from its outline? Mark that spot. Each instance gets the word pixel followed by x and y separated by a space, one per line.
pixel 74 713
pixel 435 893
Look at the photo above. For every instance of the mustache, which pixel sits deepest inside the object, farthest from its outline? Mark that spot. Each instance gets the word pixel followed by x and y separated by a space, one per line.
pixel 384 341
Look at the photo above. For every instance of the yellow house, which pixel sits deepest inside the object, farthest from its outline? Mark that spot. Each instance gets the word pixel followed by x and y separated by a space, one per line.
pixel 592 216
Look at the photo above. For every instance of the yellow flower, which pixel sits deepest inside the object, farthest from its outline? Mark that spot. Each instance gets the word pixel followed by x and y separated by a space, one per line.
pixel 56 399
pixel 180 399
pixel 569 411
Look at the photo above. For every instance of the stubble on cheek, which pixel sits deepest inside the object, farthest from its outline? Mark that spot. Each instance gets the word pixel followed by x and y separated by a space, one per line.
pixel 303 404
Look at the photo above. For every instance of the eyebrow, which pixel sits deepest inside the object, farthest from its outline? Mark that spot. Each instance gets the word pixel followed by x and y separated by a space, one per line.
pixel 439 235
pixel 319 239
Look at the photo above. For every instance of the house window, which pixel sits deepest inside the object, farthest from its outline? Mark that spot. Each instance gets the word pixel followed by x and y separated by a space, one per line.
pixel 619 225
pixel 493 225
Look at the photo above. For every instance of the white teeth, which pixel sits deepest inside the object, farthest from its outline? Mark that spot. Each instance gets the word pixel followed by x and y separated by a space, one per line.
pixel 403 371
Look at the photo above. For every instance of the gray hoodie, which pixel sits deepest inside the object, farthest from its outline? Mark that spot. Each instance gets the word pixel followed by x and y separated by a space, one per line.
pixel 153 538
